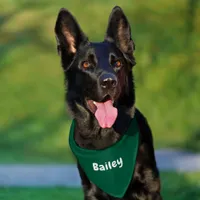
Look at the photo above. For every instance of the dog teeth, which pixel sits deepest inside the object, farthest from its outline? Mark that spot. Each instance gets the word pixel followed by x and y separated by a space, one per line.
pixel 94 102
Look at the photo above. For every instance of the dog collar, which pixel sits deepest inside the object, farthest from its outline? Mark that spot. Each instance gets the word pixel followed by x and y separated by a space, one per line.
pixel 111 169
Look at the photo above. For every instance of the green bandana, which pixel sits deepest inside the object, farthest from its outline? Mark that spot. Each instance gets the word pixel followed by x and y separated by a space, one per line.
pixel 111 169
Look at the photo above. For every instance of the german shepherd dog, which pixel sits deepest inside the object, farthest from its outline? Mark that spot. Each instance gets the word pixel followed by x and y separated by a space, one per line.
pixel 101 97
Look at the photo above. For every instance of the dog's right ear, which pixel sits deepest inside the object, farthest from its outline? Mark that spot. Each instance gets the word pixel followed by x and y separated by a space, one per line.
pixel 69 36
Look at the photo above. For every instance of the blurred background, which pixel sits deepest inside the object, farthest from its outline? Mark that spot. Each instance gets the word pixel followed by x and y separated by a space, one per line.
pixel 34 122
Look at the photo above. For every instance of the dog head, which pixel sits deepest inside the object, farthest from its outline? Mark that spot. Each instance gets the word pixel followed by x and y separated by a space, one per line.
pixel 98 75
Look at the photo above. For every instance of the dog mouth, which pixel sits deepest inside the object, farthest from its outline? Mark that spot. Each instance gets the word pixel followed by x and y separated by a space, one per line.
pixel 104 111
pixel 92 105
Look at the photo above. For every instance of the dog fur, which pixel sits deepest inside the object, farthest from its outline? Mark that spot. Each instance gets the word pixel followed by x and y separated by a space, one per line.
pixel 84 84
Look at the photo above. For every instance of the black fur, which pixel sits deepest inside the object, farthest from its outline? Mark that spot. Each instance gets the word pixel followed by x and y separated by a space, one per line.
pixel 83 84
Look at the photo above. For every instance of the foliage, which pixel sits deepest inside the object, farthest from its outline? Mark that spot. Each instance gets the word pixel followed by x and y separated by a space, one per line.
pixel 33 121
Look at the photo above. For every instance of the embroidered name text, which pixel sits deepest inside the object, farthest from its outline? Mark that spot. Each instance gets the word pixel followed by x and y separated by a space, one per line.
pixel 108 165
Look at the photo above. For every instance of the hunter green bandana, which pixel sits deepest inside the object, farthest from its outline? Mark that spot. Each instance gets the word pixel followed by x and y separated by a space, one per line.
pixel 111 169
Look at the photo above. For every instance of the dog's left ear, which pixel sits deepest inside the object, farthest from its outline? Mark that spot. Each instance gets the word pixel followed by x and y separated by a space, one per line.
pixel 119 32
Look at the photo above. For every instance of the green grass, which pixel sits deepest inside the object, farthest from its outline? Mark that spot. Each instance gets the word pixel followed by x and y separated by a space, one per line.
pixel 33 121
pixel 176 186
pixel 40 194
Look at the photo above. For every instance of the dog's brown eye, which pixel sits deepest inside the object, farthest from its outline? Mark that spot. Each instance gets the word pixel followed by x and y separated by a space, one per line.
pixel 85 64
pixel 118 64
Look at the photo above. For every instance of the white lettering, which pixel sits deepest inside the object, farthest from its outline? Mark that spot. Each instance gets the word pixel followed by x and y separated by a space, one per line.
pixel 108 165
pixel 120 162
pixel 95 167
pixel 114 164
pixel 102 168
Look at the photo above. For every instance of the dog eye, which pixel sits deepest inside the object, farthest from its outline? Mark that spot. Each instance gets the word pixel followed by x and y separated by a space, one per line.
pixel 85 64
pixel 117 64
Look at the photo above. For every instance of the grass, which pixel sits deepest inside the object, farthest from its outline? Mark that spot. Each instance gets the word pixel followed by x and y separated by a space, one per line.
pixel 176 186
pixel 40 194
pixel 33 121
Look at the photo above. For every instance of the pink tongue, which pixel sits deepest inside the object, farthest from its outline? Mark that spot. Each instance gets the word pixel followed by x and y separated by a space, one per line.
pixel 106 114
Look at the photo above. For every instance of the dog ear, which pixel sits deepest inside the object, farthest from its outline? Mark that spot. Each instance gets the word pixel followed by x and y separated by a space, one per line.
pixel 119 32
pixel 69 36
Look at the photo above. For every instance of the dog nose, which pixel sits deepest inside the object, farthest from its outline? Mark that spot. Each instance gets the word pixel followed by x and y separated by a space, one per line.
pixel 108 81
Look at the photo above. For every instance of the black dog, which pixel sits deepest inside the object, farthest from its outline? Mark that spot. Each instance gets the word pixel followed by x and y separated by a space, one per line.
pixel 100 74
